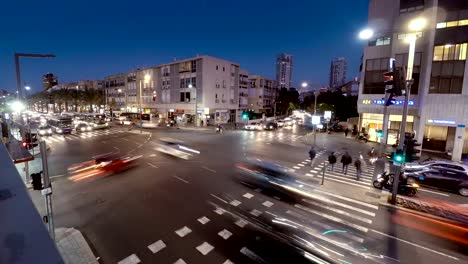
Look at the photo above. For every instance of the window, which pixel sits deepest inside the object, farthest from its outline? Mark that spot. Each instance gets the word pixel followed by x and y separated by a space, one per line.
pixel 187 96
pixel 224 84
pixel 380 41
pixel 447 77
pixel 216 67
pixel 450 52
pixel 224 69
pixel 182 83
pixel 404 36
pixel 194 82
pixel 373 79
pixel 194 66
pixel 182 97
pixel 457 23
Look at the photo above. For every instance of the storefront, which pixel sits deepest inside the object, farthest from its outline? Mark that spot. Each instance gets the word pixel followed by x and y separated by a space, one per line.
pixel 373 124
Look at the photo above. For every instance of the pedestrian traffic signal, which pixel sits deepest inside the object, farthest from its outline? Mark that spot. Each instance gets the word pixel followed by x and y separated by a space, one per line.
pixel 398 156
pixel 395 78
pixel 412 153
pixel 245 115
pixel 36 181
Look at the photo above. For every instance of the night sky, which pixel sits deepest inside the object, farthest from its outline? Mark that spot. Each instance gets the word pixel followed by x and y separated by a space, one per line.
pixel 93 39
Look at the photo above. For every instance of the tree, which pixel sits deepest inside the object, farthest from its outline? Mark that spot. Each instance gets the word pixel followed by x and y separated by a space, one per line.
pixel 286 97
pixel 92 97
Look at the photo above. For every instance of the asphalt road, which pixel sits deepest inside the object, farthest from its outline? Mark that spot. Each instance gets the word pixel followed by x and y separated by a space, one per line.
pixel 167 210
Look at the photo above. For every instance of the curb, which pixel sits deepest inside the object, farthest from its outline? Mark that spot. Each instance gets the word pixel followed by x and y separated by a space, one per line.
pixel 73 247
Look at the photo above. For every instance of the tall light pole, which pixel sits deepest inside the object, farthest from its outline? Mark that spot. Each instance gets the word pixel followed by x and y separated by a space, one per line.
pixel 196 104
pixel 415 25
pixel 19 90
pixel 316 94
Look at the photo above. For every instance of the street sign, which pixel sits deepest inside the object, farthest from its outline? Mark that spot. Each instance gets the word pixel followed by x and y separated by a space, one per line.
pixel 327 115
pixel 396 163
pixel 315 120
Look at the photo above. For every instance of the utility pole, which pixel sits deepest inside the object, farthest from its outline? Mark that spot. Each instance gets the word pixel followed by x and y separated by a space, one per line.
pixel 408 83
pixel 19 90
pixel 47 191
pixel 316 94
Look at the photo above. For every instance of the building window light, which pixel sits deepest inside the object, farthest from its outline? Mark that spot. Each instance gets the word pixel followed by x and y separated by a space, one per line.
pixel 452 24
pixel 441 25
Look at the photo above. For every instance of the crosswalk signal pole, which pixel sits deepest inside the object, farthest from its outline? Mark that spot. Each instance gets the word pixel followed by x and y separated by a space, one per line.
pixel 47 191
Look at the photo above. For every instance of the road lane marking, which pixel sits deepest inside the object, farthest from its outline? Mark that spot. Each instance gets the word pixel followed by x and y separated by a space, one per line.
pixel 183 231
pixel 309 175
pixel 235 203
pixel 415 245
pixel 57 176
pixel 333 218
pixel 228 262
pixel 250 254
pixel 205 248
pixel 125 139
pixel 175 176
pixel 132 259
pixel 438 193
pixel 154 166
pixel 296 167
pixel 241 223
pixel 180 261
pixel 255 212
pixel 203 220
pixel 152 155
pixel 219 198
pixel 116 148
pixel 225 234
pixel 248 195
pixel 157 246
pixel 219 211
pixel 267 204
pixel 208 169
pixel 300 165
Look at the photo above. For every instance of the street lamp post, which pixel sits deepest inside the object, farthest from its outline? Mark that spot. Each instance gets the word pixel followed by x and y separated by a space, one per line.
pixel 196 104
pixel 316 94
pixel 19 90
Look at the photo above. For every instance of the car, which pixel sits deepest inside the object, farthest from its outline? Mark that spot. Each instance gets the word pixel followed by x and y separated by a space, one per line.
pixel 101 124
pixel 288 122
pixel 270 126
pixel 83 127
pixel 280 123
pixel 44 130
pixel 175 148
pixel 253 126
pixel 444 175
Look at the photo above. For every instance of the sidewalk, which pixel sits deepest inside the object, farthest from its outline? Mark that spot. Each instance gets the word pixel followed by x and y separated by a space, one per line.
pixel 73 247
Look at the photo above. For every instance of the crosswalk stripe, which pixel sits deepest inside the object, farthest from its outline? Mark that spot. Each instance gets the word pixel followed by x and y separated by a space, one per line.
pixel 332 178
pixel 332 218
pixel 349 176
pixel 341 212
pixel 347 199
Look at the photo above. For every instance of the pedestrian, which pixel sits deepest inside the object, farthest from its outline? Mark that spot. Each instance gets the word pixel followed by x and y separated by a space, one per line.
pixel 346 131
pixel 358 166
pixel 201 122
pixel 346 160
pixel 312 154
pixel 332 161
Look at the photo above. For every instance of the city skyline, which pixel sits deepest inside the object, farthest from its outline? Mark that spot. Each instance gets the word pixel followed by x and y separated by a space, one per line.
pixel 99 45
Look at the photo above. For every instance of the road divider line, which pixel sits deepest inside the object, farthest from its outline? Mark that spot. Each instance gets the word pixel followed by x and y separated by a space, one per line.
pixel 208 169
pixel 183 180
pixel 341 212
pixel 116 148
pixel 152 165
pixel 415 245
pixel 219 198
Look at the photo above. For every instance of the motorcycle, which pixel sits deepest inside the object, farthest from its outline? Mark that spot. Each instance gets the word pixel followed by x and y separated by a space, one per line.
pixel 219 129
pixel 385 181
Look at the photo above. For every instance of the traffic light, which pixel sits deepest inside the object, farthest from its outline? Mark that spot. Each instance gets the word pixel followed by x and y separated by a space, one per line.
pixel 245 115
pixel 411 151
pixel 36 181
pixel 396 80
pixel 398 156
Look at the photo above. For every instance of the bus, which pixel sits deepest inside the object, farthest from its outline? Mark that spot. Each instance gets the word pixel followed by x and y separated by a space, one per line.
pixel 130 118
pixel 61 124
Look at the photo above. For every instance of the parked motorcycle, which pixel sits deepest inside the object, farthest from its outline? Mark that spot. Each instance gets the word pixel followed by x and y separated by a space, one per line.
pixel 385 180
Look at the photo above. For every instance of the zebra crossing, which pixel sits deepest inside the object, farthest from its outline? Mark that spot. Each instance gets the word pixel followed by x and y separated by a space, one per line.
pixel 350 178
pixel 268 136
pixel 80 136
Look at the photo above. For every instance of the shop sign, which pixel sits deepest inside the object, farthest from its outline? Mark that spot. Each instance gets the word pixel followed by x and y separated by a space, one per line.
pixel 315 120
pixel 171 110
pixel 461 125
pixel 179 111
pixel 382 102
pixel 327 115
pixel 441 122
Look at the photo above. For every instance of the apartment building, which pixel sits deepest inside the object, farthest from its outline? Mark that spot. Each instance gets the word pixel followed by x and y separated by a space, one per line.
pixel 262 94
pixel 438 103
pixel 204 85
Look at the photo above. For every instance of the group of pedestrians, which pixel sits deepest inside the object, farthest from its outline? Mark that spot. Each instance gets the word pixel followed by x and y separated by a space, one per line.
pixel 346 160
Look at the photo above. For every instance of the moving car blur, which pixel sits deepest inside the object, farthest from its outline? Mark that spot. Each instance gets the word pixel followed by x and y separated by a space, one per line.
pixel 175 148
pixel 83 127
pixel 44 130
pixel 104 165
